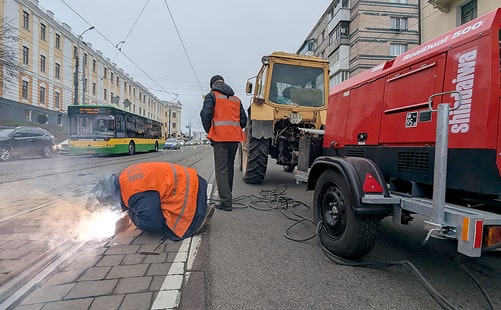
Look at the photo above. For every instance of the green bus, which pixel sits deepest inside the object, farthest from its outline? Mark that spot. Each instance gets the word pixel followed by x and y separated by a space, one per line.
pixel 108 130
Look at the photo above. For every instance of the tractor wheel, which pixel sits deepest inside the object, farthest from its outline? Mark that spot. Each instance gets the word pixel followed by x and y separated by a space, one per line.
pixel 343 232
pixel 289 168
pixel 132 148
pixel 254 157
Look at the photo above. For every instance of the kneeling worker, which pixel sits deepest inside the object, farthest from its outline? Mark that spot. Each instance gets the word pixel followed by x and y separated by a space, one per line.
pixel 159 197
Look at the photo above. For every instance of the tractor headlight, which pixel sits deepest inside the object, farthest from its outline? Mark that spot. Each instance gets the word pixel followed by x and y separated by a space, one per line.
pixel 295 118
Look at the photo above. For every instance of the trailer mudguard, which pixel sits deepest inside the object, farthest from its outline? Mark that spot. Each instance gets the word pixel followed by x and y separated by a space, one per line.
pixel 354 170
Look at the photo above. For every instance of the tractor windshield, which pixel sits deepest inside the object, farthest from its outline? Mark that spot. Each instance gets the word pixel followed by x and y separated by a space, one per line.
pixel 297 85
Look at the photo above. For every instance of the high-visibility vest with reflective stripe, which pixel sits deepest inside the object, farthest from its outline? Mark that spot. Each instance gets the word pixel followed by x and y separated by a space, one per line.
pixel 225 125
pixel 177 186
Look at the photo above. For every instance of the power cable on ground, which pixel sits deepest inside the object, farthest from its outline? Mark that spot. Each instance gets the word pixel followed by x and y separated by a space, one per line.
pixel 276 199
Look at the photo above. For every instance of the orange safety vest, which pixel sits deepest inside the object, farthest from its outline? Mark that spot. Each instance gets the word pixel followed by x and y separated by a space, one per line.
pixel 176 185
pixel 226 119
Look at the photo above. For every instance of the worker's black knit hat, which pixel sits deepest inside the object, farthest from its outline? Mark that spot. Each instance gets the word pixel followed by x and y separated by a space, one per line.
pixel 214 79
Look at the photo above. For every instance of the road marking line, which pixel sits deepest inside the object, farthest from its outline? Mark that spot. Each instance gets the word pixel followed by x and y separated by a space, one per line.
pixel 169 295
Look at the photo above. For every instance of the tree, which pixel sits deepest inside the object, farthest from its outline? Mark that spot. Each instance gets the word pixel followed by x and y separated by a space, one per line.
pixel 9 64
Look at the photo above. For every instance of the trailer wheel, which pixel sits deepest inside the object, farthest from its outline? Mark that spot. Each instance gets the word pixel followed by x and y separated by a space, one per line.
pixel 254 157
pixel 342 232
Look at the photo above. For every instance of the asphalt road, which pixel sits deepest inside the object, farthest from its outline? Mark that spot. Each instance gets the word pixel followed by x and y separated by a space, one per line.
pixel 250 264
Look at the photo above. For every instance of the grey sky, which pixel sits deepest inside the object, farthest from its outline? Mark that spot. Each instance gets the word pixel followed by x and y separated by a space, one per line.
pixel 226 37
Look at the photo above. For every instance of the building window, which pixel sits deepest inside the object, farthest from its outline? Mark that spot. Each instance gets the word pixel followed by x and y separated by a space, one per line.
pixel 42 63
pixel 105 73
pixel 75 51
pixel 25 89
pixel 173 114
pixel 93 65
pixel 469 11
pixel 27 115
pixel 94 88
pixel 58 71
pixel 397 49
pixel 26 20
pixel 85 60
pixel 58 41
pixel 42 95
pixel 26 55
pixel 42 31
pixel 57 97
pixel 398 23
pixel 105 95
pixel 111 77
pixel 118 80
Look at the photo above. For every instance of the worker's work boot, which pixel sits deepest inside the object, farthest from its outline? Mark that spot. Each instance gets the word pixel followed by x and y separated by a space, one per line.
pixel 222 206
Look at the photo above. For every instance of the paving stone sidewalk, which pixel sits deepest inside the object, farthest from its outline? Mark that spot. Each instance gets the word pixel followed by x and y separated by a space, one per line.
pixel 132 271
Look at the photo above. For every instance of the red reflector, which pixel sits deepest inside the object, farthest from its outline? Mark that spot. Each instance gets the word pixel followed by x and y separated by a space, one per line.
pixel 371 185
pixel 479 225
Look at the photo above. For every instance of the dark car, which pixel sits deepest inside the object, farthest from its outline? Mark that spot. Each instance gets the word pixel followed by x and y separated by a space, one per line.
pixel 25 141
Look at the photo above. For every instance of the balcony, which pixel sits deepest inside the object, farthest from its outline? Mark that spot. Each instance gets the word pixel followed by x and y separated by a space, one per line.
pixel 342 14
pixel 441 5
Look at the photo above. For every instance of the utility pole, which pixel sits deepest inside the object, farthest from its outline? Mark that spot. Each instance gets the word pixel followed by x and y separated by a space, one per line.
pixel 75 99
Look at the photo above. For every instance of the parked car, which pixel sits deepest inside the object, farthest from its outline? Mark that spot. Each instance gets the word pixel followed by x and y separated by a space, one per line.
pixel 172 143
pixel 25 141
pixel 190 143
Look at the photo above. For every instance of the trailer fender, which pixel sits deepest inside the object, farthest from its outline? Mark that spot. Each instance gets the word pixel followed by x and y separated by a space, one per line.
pixel 355 170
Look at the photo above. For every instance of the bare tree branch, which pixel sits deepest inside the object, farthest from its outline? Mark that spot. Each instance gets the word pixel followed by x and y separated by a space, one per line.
pixel 9 62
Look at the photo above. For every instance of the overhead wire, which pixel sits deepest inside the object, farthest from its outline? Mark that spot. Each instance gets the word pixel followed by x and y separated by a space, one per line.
pixel 114 45
pixel 184 47
pixel 119 49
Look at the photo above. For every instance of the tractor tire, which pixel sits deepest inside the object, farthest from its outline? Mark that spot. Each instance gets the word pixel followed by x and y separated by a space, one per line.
pixel 342 232
pixel 255 160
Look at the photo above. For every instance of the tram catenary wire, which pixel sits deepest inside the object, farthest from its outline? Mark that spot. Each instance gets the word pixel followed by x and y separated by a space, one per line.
pixel 276 199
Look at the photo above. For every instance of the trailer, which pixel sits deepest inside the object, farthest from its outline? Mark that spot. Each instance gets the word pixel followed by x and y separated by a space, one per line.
pixel 418 134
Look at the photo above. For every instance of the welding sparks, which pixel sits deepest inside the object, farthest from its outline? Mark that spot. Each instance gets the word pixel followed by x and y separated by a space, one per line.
pixel 99 225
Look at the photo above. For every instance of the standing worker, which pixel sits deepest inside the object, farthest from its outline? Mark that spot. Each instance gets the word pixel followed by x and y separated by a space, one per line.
pixel 223 118
pixel 160 197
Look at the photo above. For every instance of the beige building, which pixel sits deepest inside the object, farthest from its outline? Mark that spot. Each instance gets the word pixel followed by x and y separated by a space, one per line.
pixel 355 35
pixel 50 55
pixel 440 16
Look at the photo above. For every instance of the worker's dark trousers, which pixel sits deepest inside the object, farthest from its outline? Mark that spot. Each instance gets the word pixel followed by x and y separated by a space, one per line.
pixel 224 160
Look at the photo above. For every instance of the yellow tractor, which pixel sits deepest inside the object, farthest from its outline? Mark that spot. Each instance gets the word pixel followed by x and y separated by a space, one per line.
pixel 289 103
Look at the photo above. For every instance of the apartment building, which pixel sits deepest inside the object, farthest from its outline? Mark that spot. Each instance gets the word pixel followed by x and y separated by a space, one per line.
pixel 355 35
pixel 440 16
pixel 50 57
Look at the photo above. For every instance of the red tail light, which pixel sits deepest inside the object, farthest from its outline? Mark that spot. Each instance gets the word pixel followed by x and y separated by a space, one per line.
pixel 371 185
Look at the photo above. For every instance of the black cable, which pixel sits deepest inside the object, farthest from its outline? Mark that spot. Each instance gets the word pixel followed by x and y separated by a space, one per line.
pixel 484 292
pixel 429 288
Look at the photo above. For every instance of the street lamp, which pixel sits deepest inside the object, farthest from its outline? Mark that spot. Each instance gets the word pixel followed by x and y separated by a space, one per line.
pixel 75 100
